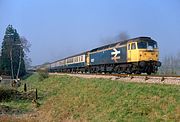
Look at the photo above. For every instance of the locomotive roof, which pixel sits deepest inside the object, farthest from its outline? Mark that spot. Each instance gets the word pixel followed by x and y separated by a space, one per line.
pixel 119 42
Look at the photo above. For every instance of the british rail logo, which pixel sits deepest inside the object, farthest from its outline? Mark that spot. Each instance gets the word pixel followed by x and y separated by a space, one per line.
pixel 115 53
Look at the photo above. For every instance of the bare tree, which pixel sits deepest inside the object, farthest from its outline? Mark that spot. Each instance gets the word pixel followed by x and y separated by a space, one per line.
pixel 25 44
pixel 20 56
pixel 26 47
pixel 171 64
pixel 28 61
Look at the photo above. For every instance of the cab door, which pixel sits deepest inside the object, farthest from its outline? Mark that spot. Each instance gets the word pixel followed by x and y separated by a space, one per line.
pixel 129 52
pixel 133 52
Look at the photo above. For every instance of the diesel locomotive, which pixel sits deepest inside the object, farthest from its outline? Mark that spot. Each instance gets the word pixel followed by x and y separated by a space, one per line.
pixel 137 55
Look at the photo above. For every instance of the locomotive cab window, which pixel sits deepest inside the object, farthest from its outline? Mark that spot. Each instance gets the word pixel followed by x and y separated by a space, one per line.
pixel 133 46
pixel 129 46
pixel 142 45
pixel 147 45
pixel 152 44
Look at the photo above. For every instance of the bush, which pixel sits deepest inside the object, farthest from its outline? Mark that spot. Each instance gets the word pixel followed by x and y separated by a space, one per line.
pixel 7 93
pixel 43 74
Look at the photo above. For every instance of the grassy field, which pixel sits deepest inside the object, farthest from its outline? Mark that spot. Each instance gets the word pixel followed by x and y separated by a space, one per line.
pixel 73 98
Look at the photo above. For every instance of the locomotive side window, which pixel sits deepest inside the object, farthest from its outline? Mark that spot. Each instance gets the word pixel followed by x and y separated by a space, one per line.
pixel 133 46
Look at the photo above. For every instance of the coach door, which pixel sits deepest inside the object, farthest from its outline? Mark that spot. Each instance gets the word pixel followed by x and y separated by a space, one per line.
pixel 87 59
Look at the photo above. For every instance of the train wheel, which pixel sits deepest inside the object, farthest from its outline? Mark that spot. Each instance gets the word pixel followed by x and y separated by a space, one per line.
pixel 149 71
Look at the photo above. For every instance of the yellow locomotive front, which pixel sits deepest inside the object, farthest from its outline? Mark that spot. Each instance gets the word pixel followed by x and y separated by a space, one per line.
pixel 143 54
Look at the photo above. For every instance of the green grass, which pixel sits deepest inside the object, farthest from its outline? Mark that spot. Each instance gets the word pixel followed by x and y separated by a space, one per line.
pixel 73 98
pixel 8 97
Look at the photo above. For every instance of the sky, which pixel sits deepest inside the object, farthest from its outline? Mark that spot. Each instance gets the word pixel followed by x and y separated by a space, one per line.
pixel 60 28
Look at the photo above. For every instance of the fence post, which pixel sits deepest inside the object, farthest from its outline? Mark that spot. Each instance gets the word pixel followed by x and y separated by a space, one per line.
pixel 25 87
pixel 36 95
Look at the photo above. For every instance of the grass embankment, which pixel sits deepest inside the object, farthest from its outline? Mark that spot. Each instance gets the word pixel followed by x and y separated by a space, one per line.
pixel 72 98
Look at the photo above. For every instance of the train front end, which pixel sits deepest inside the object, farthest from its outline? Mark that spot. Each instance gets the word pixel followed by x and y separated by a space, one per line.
pixel 145 52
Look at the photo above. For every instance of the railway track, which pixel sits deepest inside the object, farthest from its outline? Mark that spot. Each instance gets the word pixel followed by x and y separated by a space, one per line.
pixel 146 77
pixel 159 79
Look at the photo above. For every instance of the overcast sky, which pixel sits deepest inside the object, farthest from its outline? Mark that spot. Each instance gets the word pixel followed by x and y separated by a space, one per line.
pixel 60 28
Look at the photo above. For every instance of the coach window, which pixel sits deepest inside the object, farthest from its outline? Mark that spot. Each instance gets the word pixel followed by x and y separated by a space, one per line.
pixel 81 58
pixel 133 46
pixel 129 46
pixel 78 59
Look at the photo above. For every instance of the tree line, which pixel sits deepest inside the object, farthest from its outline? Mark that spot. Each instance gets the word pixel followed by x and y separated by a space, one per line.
pixel 170 64
pixel 13 59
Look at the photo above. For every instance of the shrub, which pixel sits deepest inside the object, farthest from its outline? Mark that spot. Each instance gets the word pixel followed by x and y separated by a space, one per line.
pixel 43 74
pixel 7 93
